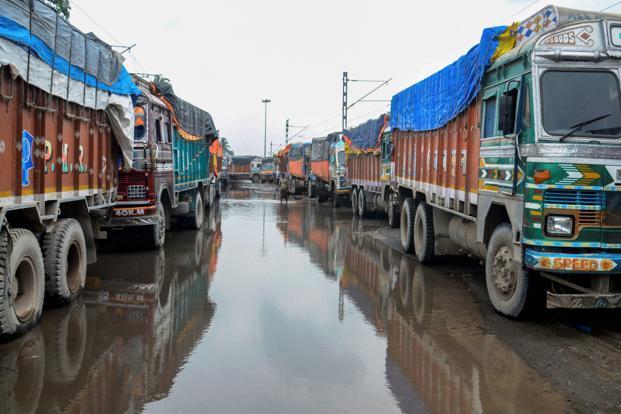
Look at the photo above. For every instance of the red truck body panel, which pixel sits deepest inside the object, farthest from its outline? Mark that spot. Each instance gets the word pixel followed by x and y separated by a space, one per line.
pixel 321 170
pixel 443 163
pixel 364 170
pixel 66 152
pixel 239 169
pixel 296 168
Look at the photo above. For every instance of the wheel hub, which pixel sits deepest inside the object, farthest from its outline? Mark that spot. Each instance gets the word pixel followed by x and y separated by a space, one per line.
pixel 504 275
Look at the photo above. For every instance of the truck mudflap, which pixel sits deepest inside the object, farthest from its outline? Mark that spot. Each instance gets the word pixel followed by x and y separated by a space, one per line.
pixel 583 301
pixel 572 263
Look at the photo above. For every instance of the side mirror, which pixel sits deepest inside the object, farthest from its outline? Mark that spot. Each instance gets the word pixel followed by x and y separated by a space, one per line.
pixel 506 119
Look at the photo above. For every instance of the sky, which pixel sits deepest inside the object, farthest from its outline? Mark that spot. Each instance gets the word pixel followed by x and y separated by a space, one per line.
pixel 227 56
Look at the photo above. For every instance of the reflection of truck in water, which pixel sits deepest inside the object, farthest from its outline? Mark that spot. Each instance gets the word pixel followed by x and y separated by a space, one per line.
pixel 173 174
pixel 60 140
pixel 328 179
pixel 436 348
pixel 144 315
pixel 523 173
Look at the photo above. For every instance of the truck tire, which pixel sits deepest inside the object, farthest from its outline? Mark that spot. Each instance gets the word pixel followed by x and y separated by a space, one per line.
pixel 407 225
pixel 424 238
pixel 512 290
pixel 22 283
pixel 156 234
pixel 354 201
pixel 322 193
pixel 336 202
pixel 256 179
pixel 393 212
pixel 363 211
pixel 196 222
pixel 64 256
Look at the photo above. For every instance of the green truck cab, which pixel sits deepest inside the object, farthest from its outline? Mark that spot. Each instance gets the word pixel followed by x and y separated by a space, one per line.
pixel 550 160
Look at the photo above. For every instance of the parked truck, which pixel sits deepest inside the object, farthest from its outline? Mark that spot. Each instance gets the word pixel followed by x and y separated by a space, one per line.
pixel 369 152
pixel 520 162
pixel 61 133
pixel 298 167
pixel 268 170
pixel 327 179
pixel 245 167
pixel 172 174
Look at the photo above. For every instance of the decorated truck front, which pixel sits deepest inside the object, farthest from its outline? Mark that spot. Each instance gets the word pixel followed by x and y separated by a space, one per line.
pixel 522 168
pixel 172 176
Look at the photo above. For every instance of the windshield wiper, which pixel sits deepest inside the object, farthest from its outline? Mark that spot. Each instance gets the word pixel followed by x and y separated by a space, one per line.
pixel 578 127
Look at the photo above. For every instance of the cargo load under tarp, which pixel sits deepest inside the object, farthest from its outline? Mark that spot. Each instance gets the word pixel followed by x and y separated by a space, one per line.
pixel 321 147
pixel 192 122
pixel 368 135
pixel 297 151
pixel 436 100
pixel 49 53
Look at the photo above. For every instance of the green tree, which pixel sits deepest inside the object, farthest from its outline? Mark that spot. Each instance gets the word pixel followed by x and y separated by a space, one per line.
pixel 63 7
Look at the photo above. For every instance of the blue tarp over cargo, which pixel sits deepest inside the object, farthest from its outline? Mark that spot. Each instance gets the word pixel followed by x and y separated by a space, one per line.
pixel 367 135
pixel 436 100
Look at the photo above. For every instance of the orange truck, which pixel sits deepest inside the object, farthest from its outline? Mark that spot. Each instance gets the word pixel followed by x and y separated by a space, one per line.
pixel 298 166
pixel 328 178
pixel 65 123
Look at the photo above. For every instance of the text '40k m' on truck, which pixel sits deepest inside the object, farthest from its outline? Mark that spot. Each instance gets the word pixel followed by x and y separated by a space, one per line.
pixel 173 173
pixel 62 124
pixel 524 169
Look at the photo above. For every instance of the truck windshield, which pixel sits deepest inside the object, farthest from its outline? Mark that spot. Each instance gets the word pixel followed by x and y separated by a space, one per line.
pixel 574 103
pixel 341 158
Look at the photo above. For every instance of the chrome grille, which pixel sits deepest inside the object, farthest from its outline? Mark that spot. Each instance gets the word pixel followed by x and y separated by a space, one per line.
pixel 136 192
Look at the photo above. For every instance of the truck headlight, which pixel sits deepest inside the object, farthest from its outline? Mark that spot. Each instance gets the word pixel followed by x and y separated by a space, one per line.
pixel 560 225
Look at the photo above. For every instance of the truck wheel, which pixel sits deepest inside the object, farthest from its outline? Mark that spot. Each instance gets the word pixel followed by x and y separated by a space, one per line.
pixel 393 212
pixel 509 286
pixel 407 225
pixel 199 212
pixel 64 253
pixel 156 236
pixel 322 193
pixel 363 211
pixel 256 179
pixel 22 283
pixel 424 240
pixel 354 201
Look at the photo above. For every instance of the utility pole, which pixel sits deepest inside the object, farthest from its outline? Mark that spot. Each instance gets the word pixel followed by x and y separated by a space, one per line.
pixel 287 132
pixel 271 146
pixel 265 101
pixel 346 106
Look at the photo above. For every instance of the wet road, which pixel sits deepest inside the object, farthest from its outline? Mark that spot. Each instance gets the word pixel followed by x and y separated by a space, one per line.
pixel 275 309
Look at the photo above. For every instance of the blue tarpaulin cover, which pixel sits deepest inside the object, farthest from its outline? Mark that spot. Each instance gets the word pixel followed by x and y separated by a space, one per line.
pixel 436 100
pixel 366 135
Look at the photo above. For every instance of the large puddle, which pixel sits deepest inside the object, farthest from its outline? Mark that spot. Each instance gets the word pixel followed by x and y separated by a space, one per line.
pixel 270 308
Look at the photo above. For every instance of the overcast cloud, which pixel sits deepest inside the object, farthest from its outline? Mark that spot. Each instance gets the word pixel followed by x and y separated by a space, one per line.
pixel 225 56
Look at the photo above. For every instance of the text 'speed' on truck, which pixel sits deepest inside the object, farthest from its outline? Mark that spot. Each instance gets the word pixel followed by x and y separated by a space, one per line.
pixel 520 162
pixel 63 131
pixel 173 174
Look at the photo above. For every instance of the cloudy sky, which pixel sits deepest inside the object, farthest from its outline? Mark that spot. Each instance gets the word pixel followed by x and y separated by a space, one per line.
pixel 226 56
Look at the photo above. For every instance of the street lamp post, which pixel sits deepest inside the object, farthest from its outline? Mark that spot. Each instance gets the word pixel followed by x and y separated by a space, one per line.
pixel 265 101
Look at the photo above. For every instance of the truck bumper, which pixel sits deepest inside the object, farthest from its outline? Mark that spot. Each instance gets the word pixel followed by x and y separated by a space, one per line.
pixel 131 216
pixel 573 263
pixel 583 301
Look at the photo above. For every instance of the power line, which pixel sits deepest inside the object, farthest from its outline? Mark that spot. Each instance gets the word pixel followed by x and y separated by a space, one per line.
pixel 611 6
pixel 525 7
